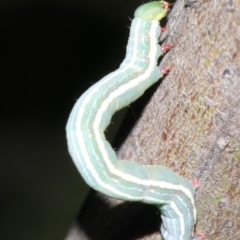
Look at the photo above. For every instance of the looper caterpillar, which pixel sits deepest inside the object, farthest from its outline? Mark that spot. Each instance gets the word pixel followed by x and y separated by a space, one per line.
pixel 93 155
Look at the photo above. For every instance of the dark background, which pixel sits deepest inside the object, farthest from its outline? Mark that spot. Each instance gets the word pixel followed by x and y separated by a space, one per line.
pixel 50 53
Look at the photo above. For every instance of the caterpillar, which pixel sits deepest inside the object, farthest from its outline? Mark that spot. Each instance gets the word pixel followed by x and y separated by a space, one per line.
pixel 94 157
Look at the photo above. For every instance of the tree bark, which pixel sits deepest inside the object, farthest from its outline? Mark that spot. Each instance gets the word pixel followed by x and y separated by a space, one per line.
pixel 191 125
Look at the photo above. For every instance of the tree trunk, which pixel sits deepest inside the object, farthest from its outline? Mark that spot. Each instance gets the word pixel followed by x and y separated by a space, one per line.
pixel 191 125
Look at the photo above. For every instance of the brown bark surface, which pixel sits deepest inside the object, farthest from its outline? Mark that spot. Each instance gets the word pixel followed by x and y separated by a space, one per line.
pixel 192 123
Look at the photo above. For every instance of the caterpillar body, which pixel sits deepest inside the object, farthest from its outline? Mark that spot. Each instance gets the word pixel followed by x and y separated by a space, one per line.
pixel 94 157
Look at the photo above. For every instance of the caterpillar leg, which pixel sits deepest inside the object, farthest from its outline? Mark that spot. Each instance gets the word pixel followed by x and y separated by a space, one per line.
pixel 166 70
pixel 163 29
pixel 166 48
pixel 196 183
pixel 199 236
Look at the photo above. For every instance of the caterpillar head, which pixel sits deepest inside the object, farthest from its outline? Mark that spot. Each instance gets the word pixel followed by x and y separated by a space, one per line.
pixel 152 11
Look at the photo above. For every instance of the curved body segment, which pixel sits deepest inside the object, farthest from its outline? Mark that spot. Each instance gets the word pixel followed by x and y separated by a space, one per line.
pixel 94 157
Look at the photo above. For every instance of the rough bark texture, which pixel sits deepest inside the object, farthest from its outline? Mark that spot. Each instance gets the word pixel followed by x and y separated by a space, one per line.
pixel 192 123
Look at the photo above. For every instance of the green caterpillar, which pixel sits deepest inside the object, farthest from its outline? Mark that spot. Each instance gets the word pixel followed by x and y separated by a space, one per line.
pixel 94 157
